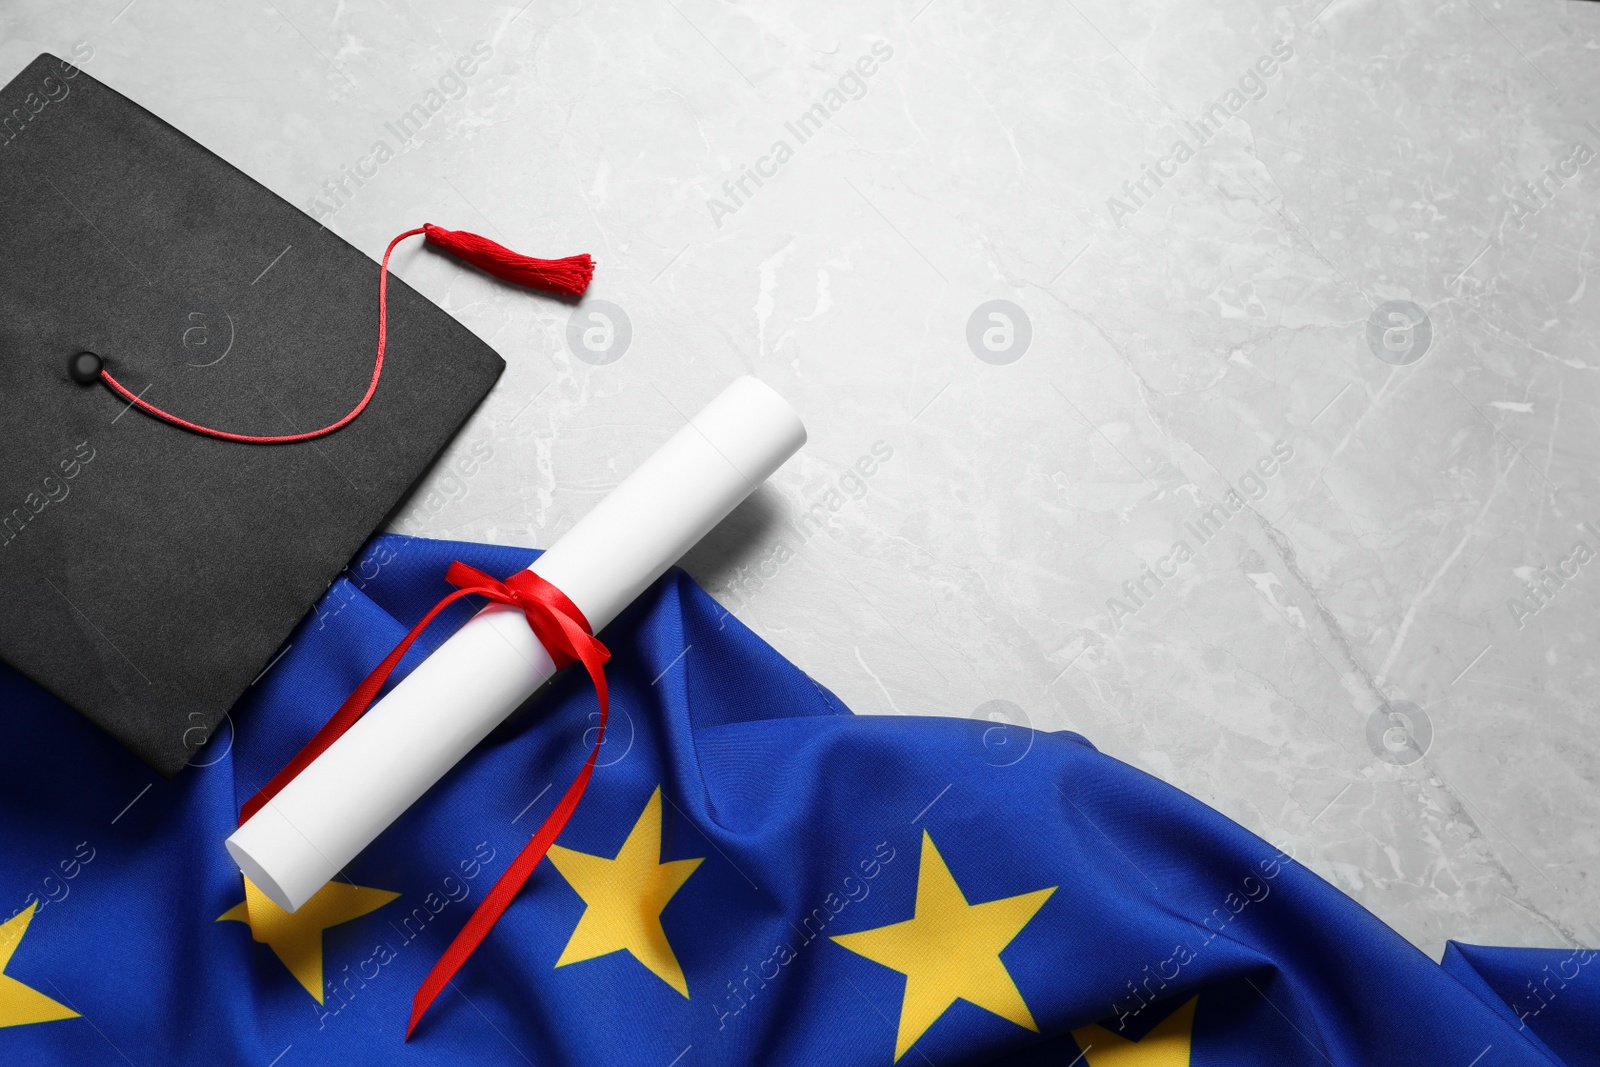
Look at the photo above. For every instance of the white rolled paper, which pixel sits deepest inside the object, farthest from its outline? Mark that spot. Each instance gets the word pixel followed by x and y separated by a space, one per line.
pixel 455 697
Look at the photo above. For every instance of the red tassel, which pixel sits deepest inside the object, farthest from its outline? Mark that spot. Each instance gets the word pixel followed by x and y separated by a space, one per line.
pixel 569 276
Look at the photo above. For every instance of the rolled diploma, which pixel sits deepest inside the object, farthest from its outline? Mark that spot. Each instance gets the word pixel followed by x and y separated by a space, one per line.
pixel 321 820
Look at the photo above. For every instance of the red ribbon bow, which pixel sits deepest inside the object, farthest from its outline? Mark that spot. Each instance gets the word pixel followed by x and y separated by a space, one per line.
pixel 567 636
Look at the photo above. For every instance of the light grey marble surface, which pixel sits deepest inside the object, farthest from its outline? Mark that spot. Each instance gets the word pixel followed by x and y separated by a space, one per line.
pixel 1360 153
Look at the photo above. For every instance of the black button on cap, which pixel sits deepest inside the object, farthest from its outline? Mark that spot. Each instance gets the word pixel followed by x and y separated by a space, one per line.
pixel 85 368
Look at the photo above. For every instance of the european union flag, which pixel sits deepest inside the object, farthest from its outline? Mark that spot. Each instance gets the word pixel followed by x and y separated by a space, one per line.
pixel 756 876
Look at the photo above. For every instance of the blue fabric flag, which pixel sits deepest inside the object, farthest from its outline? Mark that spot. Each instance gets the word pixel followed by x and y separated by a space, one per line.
pixel 756 876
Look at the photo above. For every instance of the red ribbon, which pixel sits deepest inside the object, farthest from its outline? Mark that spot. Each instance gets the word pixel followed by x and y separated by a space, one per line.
pixel 568 638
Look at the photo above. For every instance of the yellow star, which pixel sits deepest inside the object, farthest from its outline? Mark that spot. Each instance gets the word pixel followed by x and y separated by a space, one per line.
pixel 1165 1046
pixel 19 1004
pixel 296 937
pixel 950 950
pixel 624 898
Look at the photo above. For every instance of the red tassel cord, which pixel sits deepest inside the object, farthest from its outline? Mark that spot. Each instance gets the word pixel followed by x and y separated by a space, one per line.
pixel 568 277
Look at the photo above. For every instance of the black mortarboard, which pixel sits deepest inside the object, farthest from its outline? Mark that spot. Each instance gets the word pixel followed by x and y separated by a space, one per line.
pixel 148 574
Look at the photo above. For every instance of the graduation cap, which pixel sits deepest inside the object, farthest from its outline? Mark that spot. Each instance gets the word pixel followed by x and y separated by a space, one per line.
pixel 154 552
